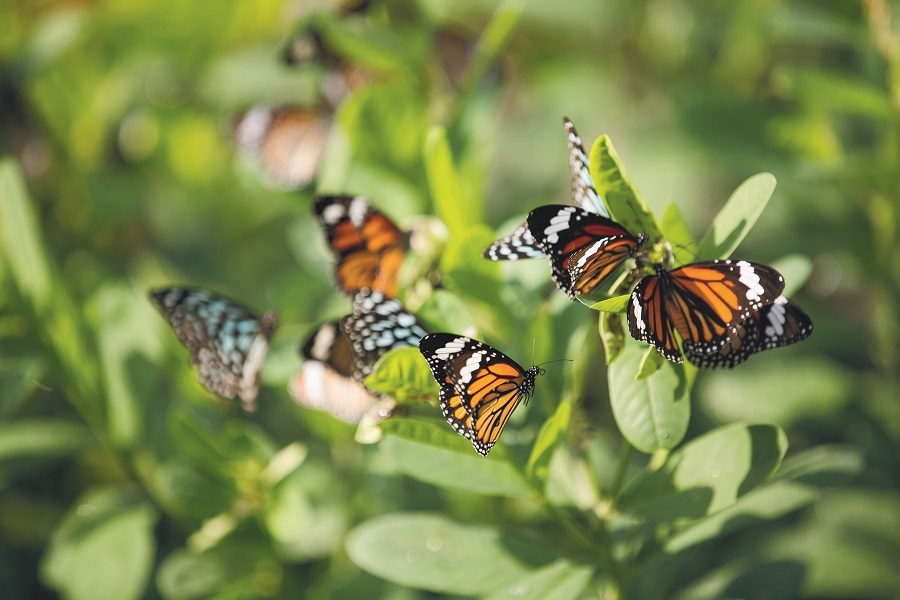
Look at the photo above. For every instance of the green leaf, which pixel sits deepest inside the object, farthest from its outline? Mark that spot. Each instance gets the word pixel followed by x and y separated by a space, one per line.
pixel 27 444
pixel 432 553
pixel 612 334
pixel 707 474
pixel 432 452
pixel 796 269
pixel 652 413
pixel 797 484
pixel 403 374
pixel 126 327
pixel 613 305
pixel 736 218
pixel 104 548
pixel 678 233
pixel 549 436
pixel 614 184
pixel 457 206
pixel 562 580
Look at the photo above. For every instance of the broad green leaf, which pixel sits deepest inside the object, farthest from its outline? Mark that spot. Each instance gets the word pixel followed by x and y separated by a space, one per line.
pixel 235 569
pixel 737 217
pixel 103 549
pixel 561 580
pixel 707 474
pixel 432 452
pixel 404 375
pixel 796 269
pixel 652 413
pixel 678 234
pixel 551 432
pixel 127 344
pixel 798 483
pixel 613 305
pixel 27 444
pixel 622 196
pixel 457 206
pixel 431 552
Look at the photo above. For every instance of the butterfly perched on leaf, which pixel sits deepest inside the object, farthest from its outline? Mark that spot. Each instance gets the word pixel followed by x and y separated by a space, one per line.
pixel 341 354
pixel 480 386
pixel 369 247
pixel 521 243
pixel 779 324
pixel 286 143
pixel 706 303
pixel 227 342
pixel 584 248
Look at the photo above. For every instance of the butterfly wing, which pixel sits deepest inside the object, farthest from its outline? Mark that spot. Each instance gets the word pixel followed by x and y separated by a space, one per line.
pixel 584 248
pixel 704 302
pixel 370 249
pixel 519 244
pixel 584 194
pixel 287 144
pixel 779 324
pixel 329 345
pixel 378 324
pixel 480 386
pixel 227 342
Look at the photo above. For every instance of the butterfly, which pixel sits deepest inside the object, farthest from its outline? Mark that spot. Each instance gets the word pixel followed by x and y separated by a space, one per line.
pixel 521 243
pixel 778 324
pixel 287 143
pixel 480 386
pixel 341 354
pixel 370 248
pixel 227 342
pixel 584 248
pixel 705 302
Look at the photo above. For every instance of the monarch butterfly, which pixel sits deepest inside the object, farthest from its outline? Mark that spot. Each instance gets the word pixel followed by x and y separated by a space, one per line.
pixel 370 249
pixel 287 143
pixel 480 386
pixel 227 342
pixel 340 354
pixel 584 248
pixel 779 324
pixel 705 302
pixel 521 243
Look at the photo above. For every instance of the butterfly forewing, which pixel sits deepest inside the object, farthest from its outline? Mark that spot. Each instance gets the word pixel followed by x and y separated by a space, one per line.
pixel 480 386
pixel 328 344
pixel 519 244
pixel 584 194
pixel 378 324
pixel 370 248
pixel 227 342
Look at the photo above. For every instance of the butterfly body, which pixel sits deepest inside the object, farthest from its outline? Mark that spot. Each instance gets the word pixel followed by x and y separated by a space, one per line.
pixel 227 342
pixel 480 386
pixel 369 247
pixel 704 302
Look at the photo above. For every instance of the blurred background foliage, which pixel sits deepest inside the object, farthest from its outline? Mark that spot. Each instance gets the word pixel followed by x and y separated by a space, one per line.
pixel 121 478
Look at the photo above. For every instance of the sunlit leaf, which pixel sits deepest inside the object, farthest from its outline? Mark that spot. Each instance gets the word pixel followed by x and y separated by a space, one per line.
pixel 548 437
pixel 737 217
pixel 455 205
pixel 403 374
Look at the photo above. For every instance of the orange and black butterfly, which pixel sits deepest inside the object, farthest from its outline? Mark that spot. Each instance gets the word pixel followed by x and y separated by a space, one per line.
pixel 707 303
pixel 369 247
pixel 781 323
pixel 227 342
pixel 480 386
pixel 521 243
pixel 286 143
pixel 341 354
pixel 584 248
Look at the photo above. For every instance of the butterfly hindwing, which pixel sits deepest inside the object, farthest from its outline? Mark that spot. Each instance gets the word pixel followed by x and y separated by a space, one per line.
pixel 369 247
pixel 480 386
pixel 227 342
pixel 704 302
pixel 517 245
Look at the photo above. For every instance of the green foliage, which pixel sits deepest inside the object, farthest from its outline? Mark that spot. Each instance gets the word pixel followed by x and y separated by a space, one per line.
pixel 624 476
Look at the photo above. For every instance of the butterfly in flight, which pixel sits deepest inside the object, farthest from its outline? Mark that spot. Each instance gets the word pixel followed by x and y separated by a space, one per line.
pixel 521 243
pixel 707 303
pixel 227 342
pixel 286 143
pixel 781 323
pixel 369 247
pixel 341 354
pixel 480 386
pixel 584 248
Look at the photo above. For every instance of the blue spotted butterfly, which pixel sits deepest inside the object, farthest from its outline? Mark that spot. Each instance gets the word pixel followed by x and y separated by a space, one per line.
pixel 227 342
